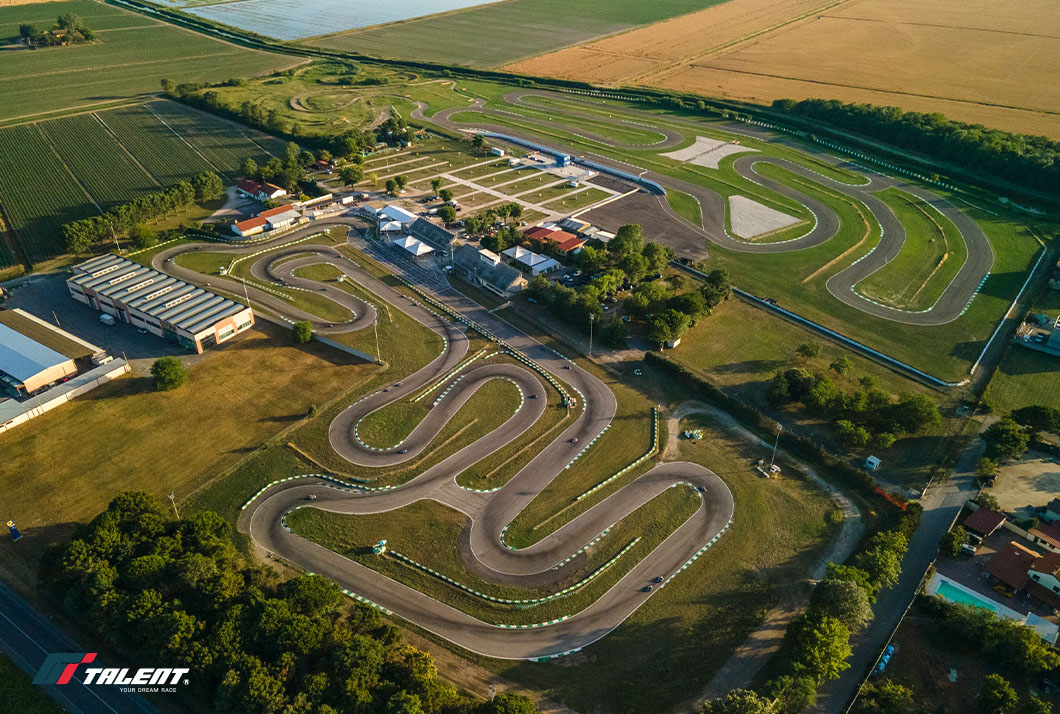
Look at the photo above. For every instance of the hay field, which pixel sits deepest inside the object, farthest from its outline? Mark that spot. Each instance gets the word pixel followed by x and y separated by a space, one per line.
pixel 973 60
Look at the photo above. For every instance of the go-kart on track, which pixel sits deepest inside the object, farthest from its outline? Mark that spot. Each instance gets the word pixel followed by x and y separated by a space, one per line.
pixel 546 563
pixel 843 285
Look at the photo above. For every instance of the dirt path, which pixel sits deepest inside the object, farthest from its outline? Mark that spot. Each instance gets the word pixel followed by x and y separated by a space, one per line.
pixel 751 656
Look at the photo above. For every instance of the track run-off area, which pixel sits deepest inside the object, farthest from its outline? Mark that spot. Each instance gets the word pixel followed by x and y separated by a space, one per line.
pixel 552 117
pixel 447 383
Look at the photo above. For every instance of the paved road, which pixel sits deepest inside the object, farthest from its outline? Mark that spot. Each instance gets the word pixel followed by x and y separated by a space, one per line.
pixel 27 637
pixel 543 565
pixel 825 226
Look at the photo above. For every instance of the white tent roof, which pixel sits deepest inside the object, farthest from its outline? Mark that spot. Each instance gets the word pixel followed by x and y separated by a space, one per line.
pixel 391 212
pixel 412 245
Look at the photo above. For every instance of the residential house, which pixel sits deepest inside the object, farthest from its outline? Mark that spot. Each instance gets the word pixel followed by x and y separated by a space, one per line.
pixel 984 522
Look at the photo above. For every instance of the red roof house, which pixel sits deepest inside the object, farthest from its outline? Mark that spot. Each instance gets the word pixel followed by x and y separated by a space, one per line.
pixel 984 522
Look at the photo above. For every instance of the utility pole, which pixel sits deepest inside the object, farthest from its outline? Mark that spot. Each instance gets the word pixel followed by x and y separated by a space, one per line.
pixel 591 318
pixel 780 428
pixel 173 500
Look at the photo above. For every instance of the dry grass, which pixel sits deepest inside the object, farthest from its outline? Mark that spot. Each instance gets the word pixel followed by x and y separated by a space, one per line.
pixel 67 464
pixel 895 52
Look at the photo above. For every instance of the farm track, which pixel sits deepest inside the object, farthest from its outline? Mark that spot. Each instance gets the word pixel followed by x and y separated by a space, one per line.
pixel 951 303
pixel 545 563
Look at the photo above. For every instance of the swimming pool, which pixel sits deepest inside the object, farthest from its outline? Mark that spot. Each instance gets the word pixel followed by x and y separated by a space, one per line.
pixel 955 594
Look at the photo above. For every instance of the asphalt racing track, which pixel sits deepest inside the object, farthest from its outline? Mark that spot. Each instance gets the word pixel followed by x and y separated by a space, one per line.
pixel 950 305
pixel 542 565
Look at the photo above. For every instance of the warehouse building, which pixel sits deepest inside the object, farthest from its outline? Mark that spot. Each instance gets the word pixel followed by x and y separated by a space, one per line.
pixel 165 306
pixel 27 366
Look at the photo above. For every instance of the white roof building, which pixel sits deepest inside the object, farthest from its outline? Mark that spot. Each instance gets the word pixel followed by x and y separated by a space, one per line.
pixel 529 260
pixel 415 247
pixel 395 214
pixel 488 256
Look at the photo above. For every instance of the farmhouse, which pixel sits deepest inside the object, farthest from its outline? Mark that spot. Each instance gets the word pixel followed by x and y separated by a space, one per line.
pixel 173 309
pixel 259 191
pixel 485 269
pixel 529 261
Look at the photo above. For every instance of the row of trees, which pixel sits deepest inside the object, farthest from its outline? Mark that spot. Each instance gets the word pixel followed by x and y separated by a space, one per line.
pixel 288 172
pixel 817 645
pixel 1032 161
pixel 865 416
pixel 178 594
pixel 69 29
pixel 120 221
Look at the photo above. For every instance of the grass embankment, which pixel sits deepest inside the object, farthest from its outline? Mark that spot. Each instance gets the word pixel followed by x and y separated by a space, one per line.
pixel 931 256
pixel 1025 376
pixel 19 694
pixel 685 206
pixel 428 532
pixel 693 625
pixel 125 435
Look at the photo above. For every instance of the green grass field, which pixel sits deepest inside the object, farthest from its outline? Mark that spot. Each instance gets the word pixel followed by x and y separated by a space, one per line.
pixel 65 169
pixel 19 694
pixel 686 206
pixel 504 32
pixel 133 54
pixel 1024 376
pixel 428 533
pixel 931 256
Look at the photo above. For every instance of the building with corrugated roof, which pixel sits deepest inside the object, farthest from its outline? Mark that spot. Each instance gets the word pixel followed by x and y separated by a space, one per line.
pixel 163 305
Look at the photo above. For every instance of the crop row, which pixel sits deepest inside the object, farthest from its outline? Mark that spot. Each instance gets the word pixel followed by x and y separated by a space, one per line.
pixel 220 141
pixel 154 144
pixel 37 193
pixel 97 160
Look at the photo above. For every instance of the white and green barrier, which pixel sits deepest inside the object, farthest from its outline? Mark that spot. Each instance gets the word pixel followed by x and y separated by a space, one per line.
pixel 530 602
pixel 441 380
pixel 652 450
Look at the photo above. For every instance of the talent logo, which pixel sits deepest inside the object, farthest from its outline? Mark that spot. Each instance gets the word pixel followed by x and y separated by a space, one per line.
pixel 61 667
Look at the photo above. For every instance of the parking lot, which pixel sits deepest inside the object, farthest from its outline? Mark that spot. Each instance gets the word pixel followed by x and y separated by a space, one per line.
pixel 47 297
pixel 1028 484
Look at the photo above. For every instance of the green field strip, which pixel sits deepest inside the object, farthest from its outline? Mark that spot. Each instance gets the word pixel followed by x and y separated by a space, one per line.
pixel 685 206
pixel 932 255
pixel 97 160
pixel 154 144
pixel 37 193
pixel 221 142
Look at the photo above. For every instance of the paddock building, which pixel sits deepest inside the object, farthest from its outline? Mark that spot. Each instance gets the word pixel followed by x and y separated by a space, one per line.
pixel 175 310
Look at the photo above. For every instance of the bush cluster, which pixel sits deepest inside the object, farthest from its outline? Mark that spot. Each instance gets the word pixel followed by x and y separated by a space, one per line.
pixel 178 593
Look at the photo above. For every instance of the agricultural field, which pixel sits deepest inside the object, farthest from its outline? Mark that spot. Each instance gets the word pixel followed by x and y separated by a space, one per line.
pixel 505 32
pixel 65 169
pixel 886 52
pixel 132 56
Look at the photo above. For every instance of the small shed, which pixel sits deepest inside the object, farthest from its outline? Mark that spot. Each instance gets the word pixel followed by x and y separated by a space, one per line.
pixel 872 463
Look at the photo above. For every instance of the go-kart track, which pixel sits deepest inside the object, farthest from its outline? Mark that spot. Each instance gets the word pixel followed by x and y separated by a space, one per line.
pixel 691 238
pixel 542 565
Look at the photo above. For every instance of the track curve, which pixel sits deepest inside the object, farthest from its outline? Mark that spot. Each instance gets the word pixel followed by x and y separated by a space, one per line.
pixel 843 285
pixel 543 564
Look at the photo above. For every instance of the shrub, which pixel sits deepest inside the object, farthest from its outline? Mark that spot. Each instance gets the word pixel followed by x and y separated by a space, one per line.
pixel 303 332
pixel 169 373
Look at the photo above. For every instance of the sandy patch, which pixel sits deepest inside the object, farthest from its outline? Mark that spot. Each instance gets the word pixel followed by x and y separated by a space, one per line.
pixel 750 219
pixel 707 152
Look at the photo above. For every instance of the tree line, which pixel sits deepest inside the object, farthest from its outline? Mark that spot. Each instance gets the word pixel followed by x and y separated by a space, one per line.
pixel 177 593
pixel 123 221
pixel 1032 161
pixel 816 646
pixel 863 417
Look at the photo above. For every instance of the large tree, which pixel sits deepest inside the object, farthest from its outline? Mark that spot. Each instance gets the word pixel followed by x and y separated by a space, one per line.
pixel 169 373
pixel 1006 439
pixel 844 600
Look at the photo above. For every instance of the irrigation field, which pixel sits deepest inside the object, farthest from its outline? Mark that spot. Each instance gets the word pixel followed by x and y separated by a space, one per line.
pixel 64 169
pixel 133 54
pixel 507 31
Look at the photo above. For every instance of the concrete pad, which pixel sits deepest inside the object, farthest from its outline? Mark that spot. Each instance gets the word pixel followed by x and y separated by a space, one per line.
pixel 707 152
pixel 750 219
